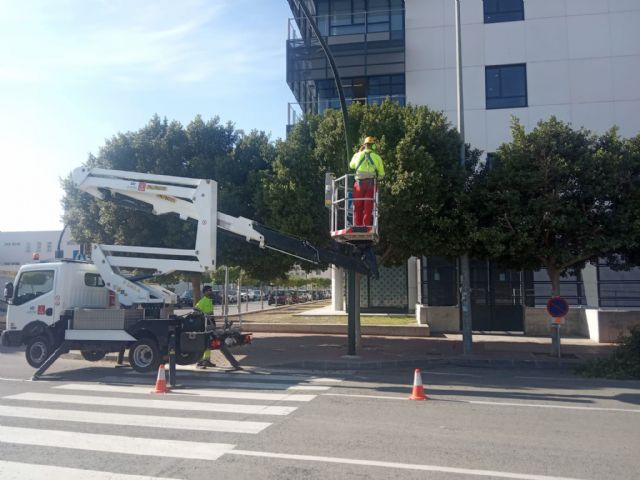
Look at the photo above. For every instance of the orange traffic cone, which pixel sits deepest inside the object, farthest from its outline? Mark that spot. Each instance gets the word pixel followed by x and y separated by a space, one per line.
pixel 161 382
pixel 418 389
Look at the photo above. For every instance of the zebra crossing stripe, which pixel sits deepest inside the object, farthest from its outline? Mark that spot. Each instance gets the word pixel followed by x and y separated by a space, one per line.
pixel 325 380
pixel 227 384
pixel 27 471
pixel 113 443
pixel 317 388
pixel 163 404
pixel 176 423
pixel 275 397
pixel 243 375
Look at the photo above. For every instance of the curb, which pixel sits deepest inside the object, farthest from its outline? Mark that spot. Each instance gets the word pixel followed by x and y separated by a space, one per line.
pixel 424 363
pixel 338 329
pixel 322 365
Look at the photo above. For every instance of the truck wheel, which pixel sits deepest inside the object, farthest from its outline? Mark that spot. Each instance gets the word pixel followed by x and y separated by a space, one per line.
pixel 188 358
pixel 93 355
pixel 144 355
pixel 38 350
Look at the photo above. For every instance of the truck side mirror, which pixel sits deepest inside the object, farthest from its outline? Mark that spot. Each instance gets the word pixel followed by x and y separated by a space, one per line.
pixel 8 291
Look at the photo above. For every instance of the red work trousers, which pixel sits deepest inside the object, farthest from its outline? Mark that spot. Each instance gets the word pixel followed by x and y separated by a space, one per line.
pixel 362 209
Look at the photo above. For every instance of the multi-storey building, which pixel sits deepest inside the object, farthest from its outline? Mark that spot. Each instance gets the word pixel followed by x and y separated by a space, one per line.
pixel 18 248
pixel 576 59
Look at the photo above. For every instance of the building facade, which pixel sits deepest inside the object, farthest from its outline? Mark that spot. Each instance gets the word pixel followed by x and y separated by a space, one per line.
pixel 19 248
pixel 576 59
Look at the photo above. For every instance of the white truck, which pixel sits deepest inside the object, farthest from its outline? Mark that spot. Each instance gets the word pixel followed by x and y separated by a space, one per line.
pixel 103 306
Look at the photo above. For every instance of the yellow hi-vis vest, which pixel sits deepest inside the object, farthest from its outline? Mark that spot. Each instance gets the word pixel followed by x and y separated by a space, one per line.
pixel 367 164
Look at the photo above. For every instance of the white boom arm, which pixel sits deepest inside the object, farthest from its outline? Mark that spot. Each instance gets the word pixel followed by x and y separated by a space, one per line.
pixel 189 198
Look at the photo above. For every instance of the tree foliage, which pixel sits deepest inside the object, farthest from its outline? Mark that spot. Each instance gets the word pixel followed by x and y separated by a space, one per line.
pixel 201 150
pixel 554 198
pixel 422 201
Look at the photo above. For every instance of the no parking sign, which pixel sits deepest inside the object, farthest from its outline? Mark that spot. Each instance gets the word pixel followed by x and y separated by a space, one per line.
pixel 558 308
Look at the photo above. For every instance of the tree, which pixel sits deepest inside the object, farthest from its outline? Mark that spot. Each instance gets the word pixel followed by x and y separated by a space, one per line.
pixel 201 150
pixel 422 201
pixel 554 198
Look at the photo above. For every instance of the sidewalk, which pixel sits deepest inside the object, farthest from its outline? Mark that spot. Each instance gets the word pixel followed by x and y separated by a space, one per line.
pixel 314 337
pixel 329 352
pixel 323 346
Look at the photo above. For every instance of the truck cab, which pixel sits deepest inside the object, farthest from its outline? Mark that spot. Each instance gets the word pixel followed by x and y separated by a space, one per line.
pixel 42 292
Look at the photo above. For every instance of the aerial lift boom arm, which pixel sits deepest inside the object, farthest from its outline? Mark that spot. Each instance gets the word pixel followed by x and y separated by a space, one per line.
pixel 196 199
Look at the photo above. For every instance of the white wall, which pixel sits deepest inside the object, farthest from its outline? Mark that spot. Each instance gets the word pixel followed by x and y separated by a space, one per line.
pixel 17 248
pixel 582 56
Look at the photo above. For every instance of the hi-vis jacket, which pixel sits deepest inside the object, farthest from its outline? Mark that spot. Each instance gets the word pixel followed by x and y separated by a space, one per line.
pixel 367 164
pixel 205 305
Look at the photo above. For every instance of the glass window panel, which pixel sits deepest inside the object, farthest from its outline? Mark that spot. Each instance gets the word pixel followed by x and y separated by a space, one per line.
pixel 32 285
pixel 513 83
pixel 506 86
pixel 503 11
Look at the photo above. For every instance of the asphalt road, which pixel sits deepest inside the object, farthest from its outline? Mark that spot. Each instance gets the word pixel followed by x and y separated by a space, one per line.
pixel 86 419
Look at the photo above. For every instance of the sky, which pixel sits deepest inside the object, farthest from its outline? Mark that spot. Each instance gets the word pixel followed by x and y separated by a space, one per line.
pixel 76 72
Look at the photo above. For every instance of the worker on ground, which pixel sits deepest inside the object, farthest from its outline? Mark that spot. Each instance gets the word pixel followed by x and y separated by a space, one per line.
pixel 205 305
pixel 368 166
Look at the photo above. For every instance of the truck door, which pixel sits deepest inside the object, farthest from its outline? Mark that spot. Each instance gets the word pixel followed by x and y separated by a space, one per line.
pixel 33 298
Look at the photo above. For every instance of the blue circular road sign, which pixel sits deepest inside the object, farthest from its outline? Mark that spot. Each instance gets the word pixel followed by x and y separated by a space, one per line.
pixel 557 307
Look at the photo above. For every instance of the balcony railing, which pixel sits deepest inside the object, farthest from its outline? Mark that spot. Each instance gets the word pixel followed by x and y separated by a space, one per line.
pixel 354 23
pixel 297 110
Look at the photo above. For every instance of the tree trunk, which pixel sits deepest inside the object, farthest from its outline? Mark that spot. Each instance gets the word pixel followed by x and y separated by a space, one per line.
pixel 554 276
pixel 196 286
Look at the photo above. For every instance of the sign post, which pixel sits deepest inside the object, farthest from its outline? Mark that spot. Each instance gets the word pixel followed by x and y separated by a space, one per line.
pixel 558 308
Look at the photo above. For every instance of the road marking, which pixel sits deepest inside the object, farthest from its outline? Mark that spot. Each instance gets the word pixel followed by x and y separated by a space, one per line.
pixel 156 447
pixel 384 397
pixel 315 388
pixel 402 466
pixel 163 404
pixel 244 375
pixel 26 471
pixel 326 380
pixel 176 423
pixel 564 407
pixel 557 379
pixel 213 383
pixel 13 380
pixel 276 397
pixel 507 404
pixel 426 373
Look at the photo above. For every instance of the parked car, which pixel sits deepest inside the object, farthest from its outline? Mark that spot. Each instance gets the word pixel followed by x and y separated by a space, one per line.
pixel 254 295
pixel 278 297
pixel 304 295
pixel 232 298
pixel 185 299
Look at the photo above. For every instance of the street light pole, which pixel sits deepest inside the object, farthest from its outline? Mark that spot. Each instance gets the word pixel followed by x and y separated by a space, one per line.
pixel 465 273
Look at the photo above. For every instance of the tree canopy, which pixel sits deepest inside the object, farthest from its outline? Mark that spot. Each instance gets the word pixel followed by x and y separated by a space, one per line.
pixel 422 201
pixel 555 198
pixel 201 150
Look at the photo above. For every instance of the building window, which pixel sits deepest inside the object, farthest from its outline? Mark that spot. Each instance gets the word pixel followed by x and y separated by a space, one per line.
pixel 28 247
pixel 348 17
pixel 38 246
pixel 503 11
pixel 369 90
pixel 49 247
pixel 506 86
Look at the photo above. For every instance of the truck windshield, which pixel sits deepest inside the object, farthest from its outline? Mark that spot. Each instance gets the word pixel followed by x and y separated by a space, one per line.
pixel 32 285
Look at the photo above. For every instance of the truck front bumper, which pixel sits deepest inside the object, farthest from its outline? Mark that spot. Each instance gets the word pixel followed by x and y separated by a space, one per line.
pixel 11 338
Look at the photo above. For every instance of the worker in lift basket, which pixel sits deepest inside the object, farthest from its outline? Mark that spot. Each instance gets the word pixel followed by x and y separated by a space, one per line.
pixel 367 165
pixel 205 305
